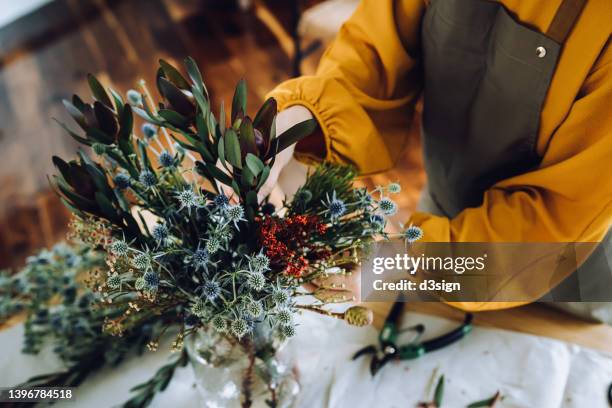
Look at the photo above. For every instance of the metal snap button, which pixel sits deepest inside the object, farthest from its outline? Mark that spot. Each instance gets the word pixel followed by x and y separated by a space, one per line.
pixel 541 52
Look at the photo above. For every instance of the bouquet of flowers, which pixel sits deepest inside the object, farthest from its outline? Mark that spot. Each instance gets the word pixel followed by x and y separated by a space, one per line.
pixel 174 211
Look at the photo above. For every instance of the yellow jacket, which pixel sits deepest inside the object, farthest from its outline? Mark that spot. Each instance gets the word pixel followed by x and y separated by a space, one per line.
pixel 367 82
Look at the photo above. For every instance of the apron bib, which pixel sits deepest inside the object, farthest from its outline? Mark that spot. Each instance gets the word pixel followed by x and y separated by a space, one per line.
pixel 486 77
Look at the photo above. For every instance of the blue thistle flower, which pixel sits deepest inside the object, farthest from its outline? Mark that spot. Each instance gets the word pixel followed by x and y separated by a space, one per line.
pixel 281 297
pixel 122 181
pixel 235 213
pixel 210 290
pixel 191 320
pixel 378 222
pixel 413 234
pixel 364 198
pixel 287 331
pixel 147 178
pixel 200 258
pixel 149 130
pixel 199 308
pixel 387 206
pixel 187 199
pixel 253 309
pixel 256 281
pixel 114 281
pixel 219 323
pixel 239 328
pixel 260 262
pixel 134 97
pixel 166 159
pixel 142 261
pixel 140 284
pixel 284 317
pixel 394 188
pixel 151 280
pixel 335 207
pixel 213 245
pixel 221 201
pixel 119 247
pixel 160 233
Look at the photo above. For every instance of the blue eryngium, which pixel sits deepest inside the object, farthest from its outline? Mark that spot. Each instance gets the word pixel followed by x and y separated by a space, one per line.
pixel 147 178
pixel 166 159
pixel 122 181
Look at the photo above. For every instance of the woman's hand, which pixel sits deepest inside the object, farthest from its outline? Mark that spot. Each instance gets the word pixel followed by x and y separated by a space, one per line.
pixel 284 120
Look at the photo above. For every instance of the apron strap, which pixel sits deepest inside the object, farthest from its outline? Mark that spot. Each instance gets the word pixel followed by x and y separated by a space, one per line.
pixel 564 20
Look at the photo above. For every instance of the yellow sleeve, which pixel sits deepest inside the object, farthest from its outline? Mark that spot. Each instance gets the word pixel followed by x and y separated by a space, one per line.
pixel 567 199
pixel 365 85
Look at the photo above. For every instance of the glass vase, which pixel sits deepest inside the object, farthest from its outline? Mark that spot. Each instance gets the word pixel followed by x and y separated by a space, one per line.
pixel 253 373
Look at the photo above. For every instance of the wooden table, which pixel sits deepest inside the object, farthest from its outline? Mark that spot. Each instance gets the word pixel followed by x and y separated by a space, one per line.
pixel 535 319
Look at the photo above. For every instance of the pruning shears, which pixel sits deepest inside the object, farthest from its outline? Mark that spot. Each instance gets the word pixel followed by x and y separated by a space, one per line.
pixel 388 349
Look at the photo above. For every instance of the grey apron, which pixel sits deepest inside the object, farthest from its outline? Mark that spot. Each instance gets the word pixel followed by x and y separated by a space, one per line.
pixel 485 80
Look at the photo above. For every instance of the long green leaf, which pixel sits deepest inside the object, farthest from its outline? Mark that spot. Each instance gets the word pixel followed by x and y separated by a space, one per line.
pixel 247 136
pixel 62 167
pixel 126 123
pixel 439 392
pixel 173 75
pixel 488 402
pixel 292 135
pixel 106 207
pixel 99 136
pixel 232 148
pixel 146 116
pixel 239 102
pixel 76 114
pixel 76 137
pixel 195 75
pixel 118 101
pixel 263 177
pixel 174 118
pixel 98 90
pixel 218 174
pixel 254 164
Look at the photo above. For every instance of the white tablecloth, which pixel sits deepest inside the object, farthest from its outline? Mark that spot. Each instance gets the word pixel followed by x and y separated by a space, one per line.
pixel 529 371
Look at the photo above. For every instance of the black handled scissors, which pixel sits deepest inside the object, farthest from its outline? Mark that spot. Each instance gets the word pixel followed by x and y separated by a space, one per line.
pixel 388 350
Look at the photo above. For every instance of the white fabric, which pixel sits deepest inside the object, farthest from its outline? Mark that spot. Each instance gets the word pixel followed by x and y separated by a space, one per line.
pixel 530 371
pixel 323 20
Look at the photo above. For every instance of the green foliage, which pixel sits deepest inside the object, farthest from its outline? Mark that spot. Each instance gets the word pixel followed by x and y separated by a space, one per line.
pixel 145 392
pixel 59 313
